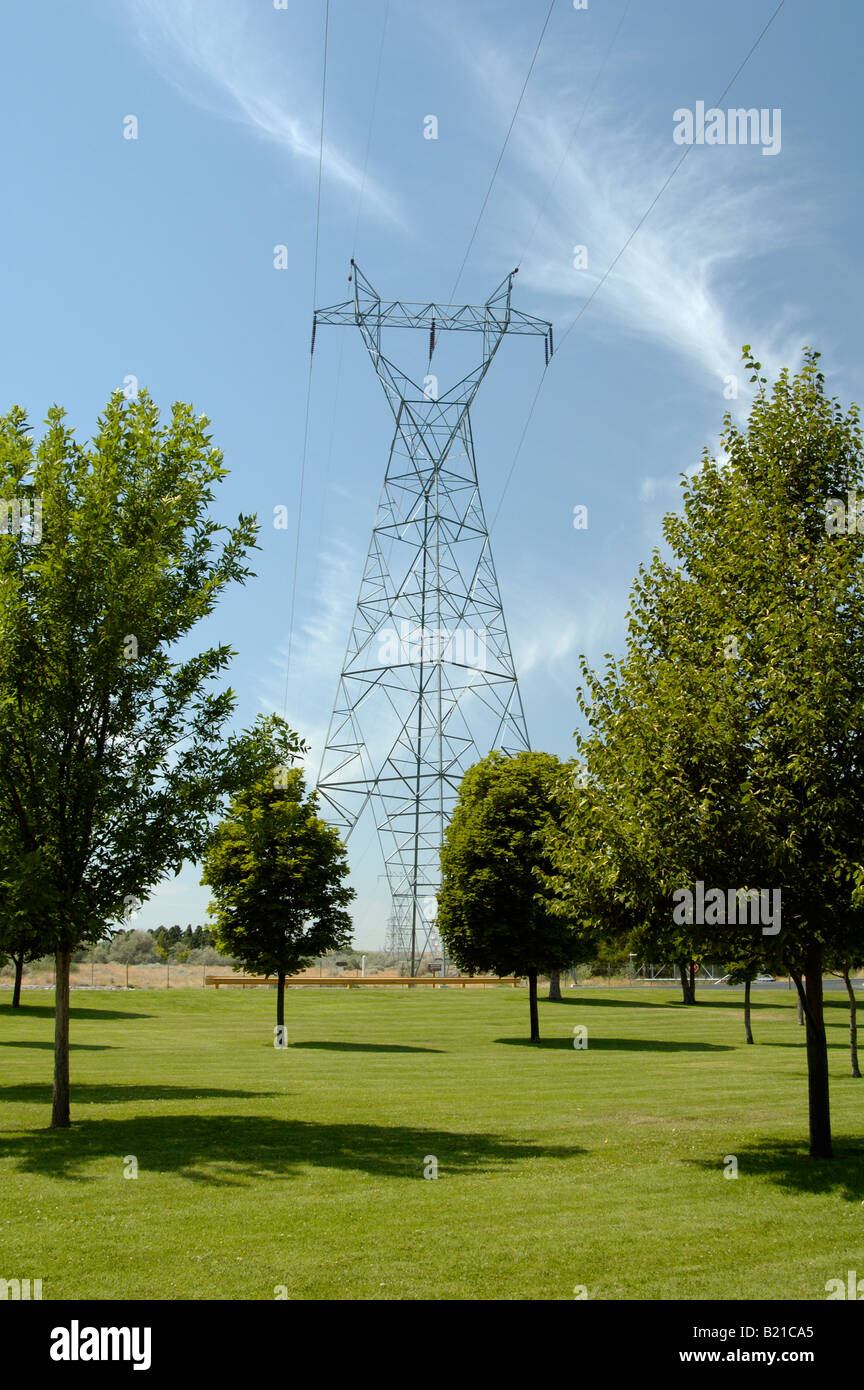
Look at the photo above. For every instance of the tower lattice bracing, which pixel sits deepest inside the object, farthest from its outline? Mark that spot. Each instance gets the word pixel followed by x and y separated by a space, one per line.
pixel 428 684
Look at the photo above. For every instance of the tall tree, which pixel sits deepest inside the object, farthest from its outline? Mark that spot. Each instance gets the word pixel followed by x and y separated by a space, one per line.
pixel 114 756
pixel 496 907
pixel 733 729
pixel 276 870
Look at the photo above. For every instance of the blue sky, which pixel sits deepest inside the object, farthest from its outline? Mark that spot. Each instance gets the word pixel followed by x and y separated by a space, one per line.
pixel 154 257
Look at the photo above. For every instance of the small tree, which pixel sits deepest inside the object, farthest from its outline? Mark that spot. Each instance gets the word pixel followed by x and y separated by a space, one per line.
pixel 744 973
pixel 496 908
pixel 842 963
pixel 22 903
pixel 276 872
pixel 115 755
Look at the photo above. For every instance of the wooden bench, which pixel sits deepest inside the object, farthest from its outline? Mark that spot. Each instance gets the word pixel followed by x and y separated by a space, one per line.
pixel 340 982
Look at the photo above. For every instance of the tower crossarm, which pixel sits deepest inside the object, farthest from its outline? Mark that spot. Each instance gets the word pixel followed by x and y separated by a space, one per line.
pixel 368 312
pixel 465 318
pixel 367 309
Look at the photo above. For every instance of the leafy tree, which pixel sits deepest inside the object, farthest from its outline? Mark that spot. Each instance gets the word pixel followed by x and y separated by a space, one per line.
pixel 658 938
pixel 132 948
pixel 728 741
pixel 584 881
pixel 744 973
pixel 114 757
pixel 162 943
pixel 21 903
pixel 842 964
pixel 276 871
pixel 496 907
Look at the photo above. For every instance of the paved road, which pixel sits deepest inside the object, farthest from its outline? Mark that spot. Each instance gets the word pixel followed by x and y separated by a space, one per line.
pixel 827 983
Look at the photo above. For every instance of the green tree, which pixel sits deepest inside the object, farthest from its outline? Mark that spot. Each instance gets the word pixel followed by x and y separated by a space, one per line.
pixel 22 902
pixel 744 972
pixel 162 943
pixel 584 882
pixel 842 964
pixel 114 758
pixel 132 948
pixel 496 906
pixel 731 732
pixel 276 870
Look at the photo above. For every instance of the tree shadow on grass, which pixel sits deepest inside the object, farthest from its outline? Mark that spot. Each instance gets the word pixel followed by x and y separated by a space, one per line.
pixel 706 1002
pixel 230 1150
pixel 621 1045
pixel 789 1166
pixel 49 1046
pixel 109 1094
pixel 598 997
pixel 595 997
pixel 363 1047
pixel 46 1011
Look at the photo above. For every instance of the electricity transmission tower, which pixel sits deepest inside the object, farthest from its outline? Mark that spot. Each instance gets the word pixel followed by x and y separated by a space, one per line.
pixel 428 684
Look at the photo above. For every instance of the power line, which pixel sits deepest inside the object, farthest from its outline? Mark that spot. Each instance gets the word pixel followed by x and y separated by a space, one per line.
pixel 598 74
pixel 501 155
pixel 655 200
pixel 369 132
pixel 338 386
pixel 309 374
pixel 620 253
pixel 537 221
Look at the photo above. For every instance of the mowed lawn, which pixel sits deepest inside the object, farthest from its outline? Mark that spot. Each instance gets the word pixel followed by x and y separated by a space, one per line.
pixel 302 1169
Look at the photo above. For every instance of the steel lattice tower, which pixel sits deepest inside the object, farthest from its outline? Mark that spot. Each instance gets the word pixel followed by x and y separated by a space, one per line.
pixel 428 684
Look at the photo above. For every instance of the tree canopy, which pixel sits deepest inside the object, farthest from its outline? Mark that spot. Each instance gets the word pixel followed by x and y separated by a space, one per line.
pixel 725 748
pixel 276 870
pixel 116 753
pixel 496 908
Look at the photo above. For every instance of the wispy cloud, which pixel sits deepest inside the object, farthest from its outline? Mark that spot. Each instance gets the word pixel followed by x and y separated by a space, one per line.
pixel 318 649
pixel 683 281
pixel 554 641
pixel 221 56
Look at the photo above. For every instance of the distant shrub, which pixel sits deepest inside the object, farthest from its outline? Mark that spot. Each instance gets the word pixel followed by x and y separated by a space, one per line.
pixel 208 955
pixel 132 948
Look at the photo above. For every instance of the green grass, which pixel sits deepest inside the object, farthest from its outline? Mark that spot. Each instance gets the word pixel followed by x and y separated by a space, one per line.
pixel 304 1167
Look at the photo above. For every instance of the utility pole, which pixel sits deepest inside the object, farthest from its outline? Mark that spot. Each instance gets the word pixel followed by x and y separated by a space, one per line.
pixel 428 685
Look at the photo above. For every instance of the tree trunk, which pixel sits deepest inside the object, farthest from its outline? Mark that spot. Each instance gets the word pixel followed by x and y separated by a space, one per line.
pixel 853 1021
pixel 800 1009
pixel 16 988
pixel 810 991
pixel 748 1031
pixel 555 987
pixel 688 989
pixel 532 1004
pixel 692 982
pixel 280 1000
pixel 60 1110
